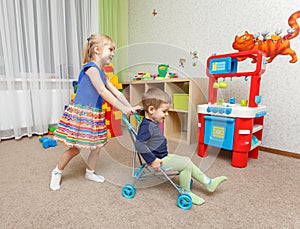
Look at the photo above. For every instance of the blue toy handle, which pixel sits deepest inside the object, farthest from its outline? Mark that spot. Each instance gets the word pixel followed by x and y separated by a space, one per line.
pixel 124 118
pixel 138 118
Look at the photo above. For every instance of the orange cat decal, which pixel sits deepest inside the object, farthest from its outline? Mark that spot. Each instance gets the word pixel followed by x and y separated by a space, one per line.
pixel 273 46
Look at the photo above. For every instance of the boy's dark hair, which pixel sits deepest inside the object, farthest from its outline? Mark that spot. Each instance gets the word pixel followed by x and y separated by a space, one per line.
pixel 155 97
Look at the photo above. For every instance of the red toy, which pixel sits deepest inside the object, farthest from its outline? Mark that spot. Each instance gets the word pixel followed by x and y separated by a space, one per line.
pixel 232 126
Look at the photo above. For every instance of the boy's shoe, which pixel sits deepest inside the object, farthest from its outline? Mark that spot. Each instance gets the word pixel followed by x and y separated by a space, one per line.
pixel 93 177
pixel 55 180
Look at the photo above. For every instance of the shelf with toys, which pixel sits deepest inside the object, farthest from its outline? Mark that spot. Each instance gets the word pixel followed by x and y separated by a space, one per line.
pixel 186 93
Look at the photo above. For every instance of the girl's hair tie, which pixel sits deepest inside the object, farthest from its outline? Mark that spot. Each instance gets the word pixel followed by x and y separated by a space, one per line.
pixel 88 39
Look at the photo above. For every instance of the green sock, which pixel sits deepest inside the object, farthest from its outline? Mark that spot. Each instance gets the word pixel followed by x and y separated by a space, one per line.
pixel 196 199
pixel 214 183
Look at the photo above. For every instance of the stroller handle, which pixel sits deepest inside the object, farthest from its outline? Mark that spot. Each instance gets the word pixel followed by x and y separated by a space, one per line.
pixel 138 118
pixel 125 120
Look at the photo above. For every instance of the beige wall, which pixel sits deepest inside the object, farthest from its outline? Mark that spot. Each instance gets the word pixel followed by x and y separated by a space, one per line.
pixel 210 27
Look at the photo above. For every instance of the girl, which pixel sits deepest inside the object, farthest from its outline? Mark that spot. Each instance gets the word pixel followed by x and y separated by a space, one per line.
pixel 83 124
pixel 152 145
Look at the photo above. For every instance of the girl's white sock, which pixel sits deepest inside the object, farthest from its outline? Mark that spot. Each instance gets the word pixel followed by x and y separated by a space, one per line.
pixel 57 169
pixel 90 175
pixel 55 179
pixel 89 171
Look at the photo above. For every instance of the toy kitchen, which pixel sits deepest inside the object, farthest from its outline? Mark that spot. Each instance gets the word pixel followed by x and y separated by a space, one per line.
pixel 232 125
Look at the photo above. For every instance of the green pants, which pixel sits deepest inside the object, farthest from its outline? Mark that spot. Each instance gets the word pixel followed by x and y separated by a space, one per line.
pixel 186 168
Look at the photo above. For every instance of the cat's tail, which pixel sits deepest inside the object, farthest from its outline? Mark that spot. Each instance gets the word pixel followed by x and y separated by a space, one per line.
pixel 293 23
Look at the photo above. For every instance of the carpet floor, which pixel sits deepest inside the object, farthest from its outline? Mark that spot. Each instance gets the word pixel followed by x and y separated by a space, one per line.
pixel 265 194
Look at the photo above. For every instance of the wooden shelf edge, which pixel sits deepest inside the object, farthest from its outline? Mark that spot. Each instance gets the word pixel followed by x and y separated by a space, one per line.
pixel 178 111
pixel 279 152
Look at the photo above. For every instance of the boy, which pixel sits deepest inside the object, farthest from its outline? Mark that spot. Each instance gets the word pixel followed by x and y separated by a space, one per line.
pixel 152 145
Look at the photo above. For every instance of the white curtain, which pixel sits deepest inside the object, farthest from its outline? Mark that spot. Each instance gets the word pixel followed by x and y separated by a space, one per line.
pixel 40 55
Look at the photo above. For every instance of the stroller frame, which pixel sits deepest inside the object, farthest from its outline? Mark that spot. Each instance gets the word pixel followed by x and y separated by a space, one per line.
pixel 184 200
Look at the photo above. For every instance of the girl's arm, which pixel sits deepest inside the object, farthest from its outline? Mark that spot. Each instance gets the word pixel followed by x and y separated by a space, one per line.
pixel 106 94
pixel 120 96
pixel 117 93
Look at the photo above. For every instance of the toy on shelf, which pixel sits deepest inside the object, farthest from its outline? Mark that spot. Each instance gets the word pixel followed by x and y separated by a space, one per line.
pixel 144 76
pixel 163 74
pixel 232 126
pixel 173 75
pixel 47 142
pixel 162 71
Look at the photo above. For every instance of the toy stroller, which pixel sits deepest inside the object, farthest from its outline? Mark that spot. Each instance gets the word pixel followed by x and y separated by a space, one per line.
pixel 184 200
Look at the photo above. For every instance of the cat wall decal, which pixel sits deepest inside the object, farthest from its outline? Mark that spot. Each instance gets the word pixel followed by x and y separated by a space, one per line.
pixel 273 46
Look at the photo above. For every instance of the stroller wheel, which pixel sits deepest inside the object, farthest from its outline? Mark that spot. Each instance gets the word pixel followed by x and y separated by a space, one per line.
pixel 128 191
pixel 184 201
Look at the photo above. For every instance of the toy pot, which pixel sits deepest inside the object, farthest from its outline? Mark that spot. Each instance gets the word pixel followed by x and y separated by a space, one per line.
pixel 231 100
pixel 162 70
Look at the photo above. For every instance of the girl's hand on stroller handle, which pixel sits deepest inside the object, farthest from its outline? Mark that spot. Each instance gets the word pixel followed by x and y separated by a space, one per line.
pixel 134 112
pixel 135 109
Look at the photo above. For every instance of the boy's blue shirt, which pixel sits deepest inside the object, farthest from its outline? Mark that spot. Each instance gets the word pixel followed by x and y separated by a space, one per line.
pixel 150 142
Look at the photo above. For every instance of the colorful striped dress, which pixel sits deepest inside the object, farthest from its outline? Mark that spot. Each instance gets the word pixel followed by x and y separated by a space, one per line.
pixel 83 124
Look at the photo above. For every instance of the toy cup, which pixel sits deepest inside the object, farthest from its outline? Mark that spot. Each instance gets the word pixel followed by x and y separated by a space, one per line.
pixel 162 70
pixel 220 101
pixel 223 85
pixel 244 102
pixel 258 99
pixel 216 85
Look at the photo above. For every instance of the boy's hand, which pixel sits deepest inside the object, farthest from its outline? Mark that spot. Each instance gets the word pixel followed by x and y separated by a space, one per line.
pixel 156 164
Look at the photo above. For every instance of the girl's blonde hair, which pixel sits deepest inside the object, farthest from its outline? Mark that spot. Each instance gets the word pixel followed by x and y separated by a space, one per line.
pixel 155 97
pixel 100 40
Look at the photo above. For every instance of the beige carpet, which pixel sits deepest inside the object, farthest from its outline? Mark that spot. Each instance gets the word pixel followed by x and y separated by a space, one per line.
pixel 265 194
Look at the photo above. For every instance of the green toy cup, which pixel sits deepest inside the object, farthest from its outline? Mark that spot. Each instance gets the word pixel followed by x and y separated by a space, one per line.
pixel 162 70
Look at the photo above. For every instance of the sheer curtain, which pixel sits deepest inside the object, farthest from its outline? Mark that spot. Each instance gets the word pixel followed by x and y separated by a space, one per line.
pixel 40 55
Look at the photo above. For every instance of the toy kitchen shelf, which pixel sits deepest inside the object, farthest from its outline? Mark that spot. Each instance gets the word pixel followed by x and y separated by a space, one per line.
pixel 181 124
pixel 232 126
